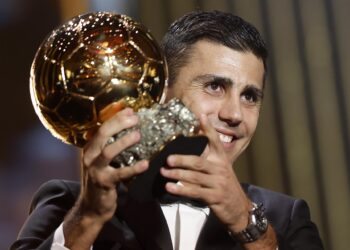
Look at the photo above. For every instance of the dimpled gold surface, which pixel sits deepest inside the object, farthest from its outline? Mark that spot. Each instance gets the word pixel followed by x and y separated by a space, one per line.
pixel 88 63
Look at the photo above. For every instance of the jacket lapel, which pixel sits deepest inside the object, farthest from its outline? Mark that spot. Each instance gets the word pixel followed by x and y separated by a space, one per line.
pixel 214 235
pixel 146 220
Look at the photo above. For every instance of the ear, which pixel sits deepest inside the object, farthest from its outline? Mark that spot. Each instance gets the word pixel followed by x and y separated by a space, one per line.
pixel 163 98
pixel 169 93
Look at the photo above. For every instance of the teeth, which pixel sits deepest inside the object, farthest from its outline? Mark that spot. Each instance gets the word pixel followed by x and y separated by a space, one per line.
pixel 225 138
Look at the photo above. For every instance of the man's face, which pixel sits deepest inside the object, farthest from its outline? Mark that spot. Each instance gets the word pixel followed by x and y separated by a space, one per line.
pixel 226 86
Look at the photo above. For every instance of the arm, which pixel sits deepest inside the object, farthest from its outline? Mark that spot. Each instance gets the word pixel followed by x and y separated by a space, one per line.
pixel 211 178
pixel 97 200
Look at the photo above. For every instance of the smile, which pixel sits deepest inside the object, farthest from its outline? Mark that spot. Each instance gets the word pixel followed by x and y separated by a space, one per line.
pixel 225 138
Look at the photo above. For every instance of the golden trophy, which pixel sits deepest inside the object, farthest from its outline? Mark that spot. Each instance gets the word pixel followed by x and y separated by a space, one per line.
pixel 105 61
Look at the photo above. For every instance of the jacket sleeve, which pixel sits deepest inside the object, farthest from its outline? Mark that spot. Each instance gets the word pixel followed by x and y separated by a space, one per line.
pixel 301 233
pixel 49 206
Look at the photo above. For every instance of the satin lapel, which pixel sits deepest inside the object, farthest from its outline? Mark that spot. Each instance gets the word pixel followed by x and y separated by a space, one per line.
pixel 214 235
pixel 146 220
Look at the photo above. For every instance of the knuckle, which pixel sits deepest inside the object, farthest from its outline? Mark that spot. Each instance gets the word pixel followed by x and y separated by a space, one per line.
pixel 222 182
pixel 219 196
pixel 180 174
pixel 195 194
pixel 176 173
pixel 106 154
pixel 193 178
pixel 129 121
pixel 222 171
pixel 126 140
pixel 126 112
pixel 102 132
pixel 120 145
pixel 215 197
pixel 198 163
pixel 85 161
pixel 117 176
pixel 212 199
pixel 123 173
pixel 101 179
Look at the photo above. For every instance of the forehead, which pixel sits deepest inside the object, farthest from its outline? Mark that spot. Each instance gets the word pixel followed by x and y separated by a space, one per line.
pixel 210 58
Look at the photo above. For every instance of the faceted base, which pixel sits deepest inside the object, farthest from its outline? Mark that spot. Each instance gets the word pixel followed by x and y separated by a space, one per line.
pixel 158 125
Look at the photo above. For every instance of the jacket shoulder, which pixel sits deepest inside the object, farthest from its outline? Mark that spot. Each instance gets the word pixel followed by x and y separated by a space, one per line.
pixel 49 206
pixel 61 192
pixel 289 216
pixel 278 207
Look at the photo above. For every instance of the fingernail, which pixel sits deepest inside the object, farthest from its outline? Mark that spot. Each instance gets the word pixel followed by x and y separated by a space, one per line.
pixel 170 160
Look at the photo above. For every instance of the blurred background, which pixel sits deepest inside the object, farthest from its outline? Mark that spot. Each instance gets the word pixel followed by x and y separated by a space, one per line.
pixel 302 146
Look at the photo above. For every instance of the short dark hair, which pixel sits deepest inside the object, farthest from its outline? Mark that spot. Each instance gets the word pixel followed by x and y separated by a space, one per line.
pixel 216 26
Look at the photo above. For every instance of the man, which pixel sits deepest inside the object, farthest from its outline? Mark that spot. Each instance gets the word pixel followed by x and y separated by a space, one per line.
pixel 217 66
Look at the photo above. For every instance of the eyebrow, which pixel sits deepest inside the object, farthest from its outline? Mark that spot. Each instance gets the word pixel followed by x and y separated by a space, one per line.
pixel 227 82
pixel 214 79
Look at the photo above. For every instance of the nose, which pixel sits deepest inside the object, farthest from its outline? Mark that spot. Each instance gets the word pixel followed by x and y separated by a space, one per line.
pixel 231 111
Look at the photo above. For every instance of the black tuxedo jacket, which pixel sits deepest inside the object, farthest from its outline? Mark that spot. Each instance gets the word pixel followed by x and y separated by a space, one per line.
pixel 141 225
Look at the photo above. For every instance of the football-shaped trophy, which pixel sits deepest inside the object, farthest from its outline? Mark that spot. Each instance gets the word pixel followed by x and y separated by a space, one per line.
pixel 101 60
pixel 88 63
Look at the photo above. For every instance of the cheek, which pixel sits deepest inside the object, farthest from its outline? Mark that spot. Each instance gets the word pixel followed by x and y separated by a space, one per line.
pixel 199 104
pixel 251 121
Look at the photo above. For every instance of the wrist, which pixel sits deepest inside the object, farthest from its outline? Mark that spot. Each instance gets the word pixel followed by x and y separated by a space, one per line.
pixel 92 213
pixel 255 228
pixel 80 228
pixel 240 221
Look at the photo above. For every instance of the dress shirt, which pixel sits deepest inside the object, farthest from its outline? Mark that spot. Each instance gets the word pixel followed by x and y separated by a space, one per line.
pixel 184 221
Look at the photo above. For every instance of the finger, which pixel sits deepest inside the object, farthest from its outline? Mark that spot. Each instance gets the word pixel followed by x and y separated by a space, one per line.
pixel 110 110
pixel 188 162
pixel 187 177
pixel 108 129
pixel 107 113
pixel 210 132
pixel 109 152
pixel 126 173
pixel 122 120
pixel 184 183
pixel 116 121
pixel 107 178
pixel 190 191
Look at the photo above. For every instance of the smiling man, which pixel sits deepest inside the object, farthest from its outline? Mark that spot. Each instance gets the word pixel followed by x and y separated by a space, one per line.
pixel 217 67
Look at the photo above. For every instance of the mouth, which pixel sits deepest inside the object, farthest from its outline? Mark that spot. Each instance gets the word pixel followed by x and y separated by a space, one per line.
pixel 227 137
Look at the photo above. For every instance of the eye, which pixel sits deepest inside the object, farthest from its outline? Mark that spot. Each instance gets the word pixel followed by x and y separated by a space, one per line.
pixel 252 96
pixel 214 88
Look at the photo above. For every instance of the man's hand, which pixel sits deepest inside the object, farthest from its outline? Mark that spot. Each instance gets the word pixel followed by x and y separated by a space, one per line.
pixel 98 196
pixel 211 178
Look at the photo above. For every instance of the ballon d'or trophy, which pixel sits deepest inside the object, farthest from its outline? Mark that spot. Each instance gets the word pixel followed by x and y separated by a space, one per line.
pixel 102 62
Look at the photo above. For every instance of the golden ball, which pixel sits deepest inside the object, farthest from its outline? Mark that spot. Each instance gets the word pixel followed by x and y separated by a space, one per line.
pixel 90 63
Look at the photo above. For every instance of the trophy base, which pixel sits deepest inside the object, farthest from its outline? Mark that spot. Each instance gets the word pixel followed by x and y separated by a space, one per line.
pixel 158 125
